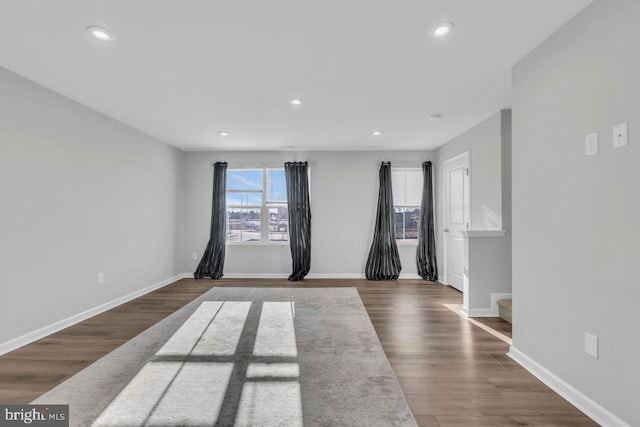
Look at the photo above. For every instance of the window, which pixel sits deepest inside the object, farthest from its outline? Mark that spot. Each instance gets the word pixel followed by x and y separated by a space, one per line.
pixel 407 199
pixel 257 206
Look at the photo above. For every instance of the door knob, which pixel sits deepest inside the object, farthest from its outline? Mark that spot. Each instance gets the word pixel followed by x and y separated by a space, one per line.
pixel 446 230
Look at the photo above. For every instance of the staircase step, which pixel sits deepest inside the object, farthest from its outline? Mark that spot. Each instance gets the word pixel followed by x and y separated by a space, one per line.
pixel 504 309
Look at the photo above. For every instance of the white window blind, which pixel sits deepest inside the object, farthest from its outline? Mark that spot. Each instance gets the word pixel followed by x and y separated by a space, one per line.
pixel 407 187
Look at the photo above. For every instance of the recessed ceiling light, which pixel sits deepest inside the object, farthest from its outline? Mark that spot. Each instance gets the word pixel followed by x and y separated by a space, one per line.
pixel 435 117
pixel 99 33
pixel 377 133
pixel 223 133
pixel 296 101
pixel 442 29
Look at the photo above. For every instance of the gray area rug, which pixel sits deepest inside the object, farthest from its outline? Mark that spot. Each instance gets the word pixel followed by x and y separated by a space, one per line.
pixel 245 357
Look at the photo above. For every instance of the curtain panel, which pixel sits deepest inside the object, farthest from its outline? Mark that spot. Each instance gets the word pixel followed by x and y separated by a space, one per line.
pixel 426 252
pixel 212 261
pixel 297 178
pixel 384 261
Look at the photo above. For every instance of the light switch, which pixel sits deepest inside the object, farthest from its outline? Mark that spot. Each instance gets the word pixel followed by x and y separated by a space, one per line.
pixel 100 278
pixel 620 135
pixel 194 255
pixel 591 345
pixel 591 144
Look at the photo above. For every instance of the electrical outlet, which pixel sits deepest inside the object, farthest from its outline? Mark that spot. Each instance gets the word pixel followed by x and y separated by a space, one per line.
pixel 591 345
pixel 620 135
pixel 194 255
pixel 100 278
pixel 591 144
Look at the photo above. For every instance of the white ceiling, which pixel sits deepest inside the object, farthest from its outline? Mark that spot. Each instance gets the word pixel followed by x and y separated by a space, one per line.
pixel 182 71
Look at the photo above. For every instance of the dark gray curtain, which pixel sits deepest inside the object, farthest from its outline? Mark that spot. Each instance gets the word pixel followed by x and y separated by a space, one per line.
pixel 384 261
pixel 212 261
pixel 297 177
pixel 426 253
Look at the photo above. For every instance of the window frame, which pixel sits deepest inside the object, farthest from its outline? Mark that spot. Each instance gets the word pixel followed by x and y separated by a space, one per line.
pixel 264 208
pixel 404 241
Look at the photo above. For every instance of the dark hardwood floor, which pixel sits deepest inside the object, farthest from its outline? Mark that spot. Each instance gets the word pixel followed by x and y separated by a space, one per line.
pixel 453 372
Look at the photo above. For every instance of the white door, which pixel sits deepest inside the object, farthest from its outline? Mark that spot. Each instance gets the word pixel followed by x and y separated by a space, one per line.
pixel 456 217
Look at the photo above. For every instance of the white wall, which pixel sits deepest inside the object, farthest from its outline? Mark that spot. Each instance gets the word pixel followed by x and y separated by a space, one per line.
pixel 79 194
pixel 489 147
pixel 344 196
pixel 506 136
pixel 487 273
pixel 576 219
pixel 483 142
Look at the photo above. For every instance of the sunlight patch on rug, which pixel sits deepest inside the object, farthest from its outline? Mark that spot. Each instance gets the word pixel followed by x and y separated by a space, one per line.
pixel 276 335
pixel 270 404
pixel 187 384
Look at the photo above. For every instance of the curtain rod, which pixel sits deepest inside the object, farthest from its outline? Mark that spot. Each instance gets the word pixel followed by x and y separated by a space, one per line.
pixel 245 165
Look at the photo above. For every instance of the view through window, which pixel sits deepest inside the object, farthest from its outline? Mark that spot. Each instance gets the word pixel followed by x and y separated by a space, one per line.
pixel 407 197
pixel 257 206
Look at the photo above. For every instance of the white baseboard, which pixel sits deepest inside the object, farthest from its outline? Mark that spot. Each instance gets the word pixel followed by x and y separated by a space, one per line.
pixel 478 312
pixel 587 405
pixel 308 276
pixel 464 310
pixel 335 276
pixel 403 276
pixel 30 337
pixel 413 276
pixel 254 275
pixel 486 312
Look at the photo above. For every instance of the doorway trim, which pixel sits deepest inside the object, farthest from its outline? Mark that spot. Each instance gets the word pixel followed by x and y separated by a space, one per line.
pixel 466 154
